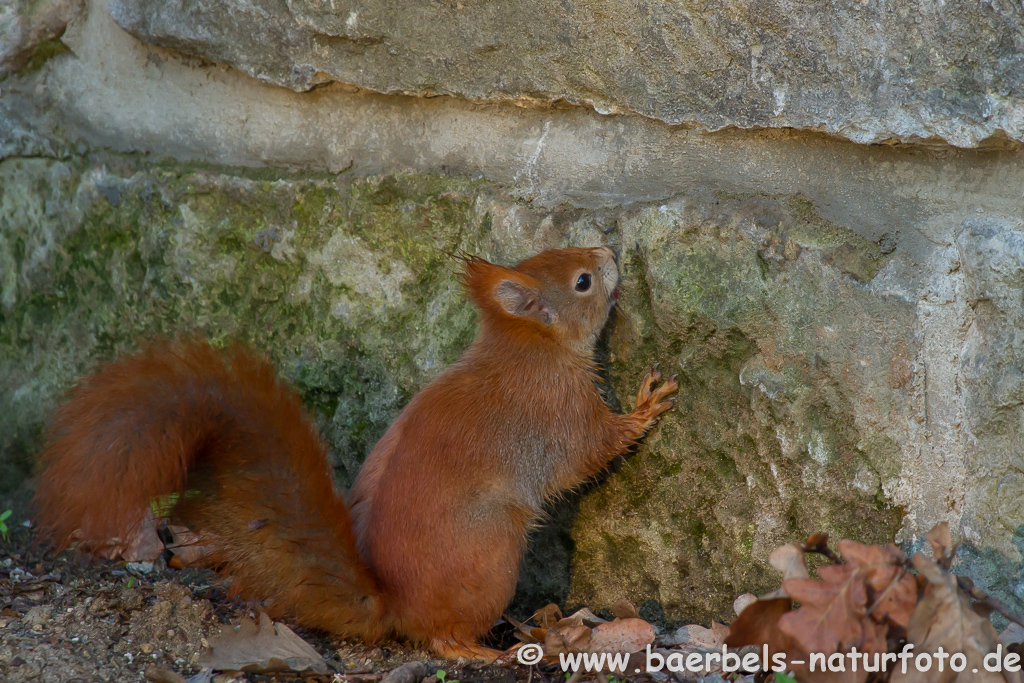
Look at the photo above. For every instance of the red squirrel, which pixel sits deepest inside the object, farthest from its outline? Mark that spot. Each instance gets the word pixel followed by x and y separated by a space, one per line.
pixel 428 546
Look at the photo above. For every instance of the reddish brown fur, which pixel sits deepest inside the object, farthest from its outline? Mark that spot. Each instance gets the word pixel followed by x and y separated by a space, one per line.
pixel 184 417
pixel 443 505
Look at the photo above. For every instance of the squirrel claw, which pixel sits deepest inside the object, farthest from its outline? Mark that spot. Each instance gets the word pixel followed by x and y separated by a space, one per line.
pixel 647 385
pixel 654 399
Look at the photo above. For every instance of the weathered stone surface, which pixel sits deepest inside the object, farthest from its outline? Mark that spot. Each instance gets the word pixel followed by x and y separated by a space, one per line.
pixel 93 260
pixel 795 397
pixel 868 71
pixel 800 393
pixel 843 317
pixel 114 92
pixel 29 30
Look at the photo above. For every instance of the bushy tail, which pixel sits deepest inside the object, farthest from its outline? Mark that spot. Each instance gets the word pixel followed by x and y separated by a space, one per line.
pixel 222 431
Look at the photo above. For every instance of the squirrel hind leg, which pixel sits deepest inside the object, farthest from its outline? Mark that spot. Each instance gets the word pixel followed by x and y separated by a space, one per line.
pixel 471 651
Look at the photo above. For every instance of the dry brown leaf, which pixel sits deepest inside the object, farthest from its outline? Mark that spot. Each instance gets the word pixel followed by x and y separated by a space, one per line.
pixel 944 618
pixel 941 542
pixel 892 590
pixel 758 625
pixel 621 635
pixel 829 618
pixel 789 559
pixel 576 635
pixel 741 602
pixel 547 616
pixel 262 649
pixel 188 548
pixel 566 636
pixel 567 639
pixel 143 545
pixel 758 622
pixel 577 618
pixel 524 632
pixel 874 642
pixel 623 609
pixel 586 617
pixel 720 631
pixel 582 631
pixel 816 543
pixel 695 634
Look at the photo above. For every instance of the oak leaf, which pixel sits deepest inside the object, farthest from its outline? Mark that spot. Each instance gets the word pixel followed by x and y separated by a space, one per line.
pixel 944 618
pixel 942 544
pixel 621 636
pixel 741 602
pixel 831 612
pixel 623 609
pixel 789 559
pixel 266 648
pixel 547 616
pixel 758 624
pixel 892 590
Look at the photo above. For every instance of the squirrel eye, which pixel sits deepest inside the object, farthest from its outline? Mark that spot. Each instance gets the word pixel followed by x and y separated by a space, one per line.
pixel 583 282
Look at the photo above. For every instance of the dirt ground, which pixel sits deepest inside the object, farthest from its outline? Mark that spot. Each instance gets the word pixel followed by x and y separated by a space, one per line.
pixel 68 619
pixel 65 620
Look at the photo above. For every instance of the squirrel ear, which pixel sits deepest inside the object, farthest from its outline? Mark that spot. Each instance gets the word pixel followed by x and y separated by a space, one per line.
pixel 519 300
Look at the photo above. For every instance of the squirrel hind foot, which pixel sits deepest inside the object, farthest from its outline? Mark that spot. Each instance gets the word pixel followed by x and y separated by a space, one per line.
pixel 473 652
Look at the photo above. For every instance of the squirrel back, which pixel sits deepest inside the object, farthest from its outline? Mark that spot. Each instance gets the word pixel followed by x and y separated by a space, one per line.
pixel 441 510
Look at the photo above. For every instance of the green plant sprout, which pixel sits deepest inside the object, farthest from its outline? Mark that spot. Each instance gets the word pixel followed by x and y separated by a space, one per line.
pixel 442 677
pixel 4 530
pixel 162 505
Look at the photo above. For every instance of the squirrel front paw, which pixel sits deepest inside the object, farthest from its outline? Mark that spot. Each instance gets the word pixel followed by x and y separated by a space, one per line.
pixel 652 400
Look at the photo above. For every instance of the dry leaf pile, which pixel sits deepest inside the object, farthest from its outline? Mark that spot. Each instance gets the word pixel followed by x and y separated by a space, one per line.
pixel 870 605
pixel 585 632
pixel 155 536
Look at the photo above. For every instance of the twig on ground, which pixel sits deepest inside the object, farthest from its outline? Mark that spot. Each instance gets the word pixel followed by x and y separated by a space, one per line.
pixel 967 586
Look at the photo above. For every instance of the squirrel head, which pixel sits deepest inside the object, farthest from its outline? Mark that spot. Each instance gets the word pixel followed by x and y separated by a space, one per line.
pixel 562 295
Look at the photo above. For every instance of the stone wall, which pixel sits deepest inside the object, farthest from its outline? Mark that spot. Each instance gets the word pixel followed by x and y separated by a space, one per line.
pixel 843 316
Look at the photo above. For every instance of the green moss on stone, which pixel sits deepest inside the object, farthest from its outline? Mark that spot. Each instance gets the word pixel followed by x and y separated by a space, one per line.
pixel 350 288
pixel 845 249
pixel 42 52
pixel 169 251
pixel 762 443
